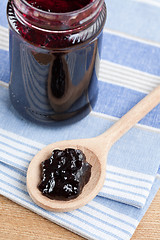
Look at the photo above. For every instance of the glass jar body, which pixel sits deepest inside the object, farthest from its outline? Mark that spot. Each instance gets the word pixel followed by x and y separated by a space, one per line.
pixel 53 72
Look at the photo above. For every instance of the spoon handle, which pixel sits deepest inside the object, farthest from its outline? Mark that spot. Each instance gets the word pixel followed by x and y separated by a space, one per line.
pixel 132 117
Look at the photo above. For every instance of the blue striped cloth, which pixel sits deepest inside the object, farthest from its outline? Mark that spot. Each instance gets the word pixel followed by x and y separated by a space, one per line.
pixel 128 71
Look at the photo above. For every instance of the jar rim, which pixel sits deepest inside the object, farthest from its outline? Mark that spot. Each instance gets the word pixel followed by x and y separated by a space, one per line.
pixel 52 21
pixel 63 13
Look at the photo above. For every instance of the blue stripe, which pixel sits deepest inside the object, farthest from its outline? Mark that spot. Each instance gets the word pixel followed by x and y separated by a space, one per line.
pixel 115 101
pixel 20 141
pixel 125 191
pixel 13 178
pixel 17 149
pixel 4 66
pixel 13 194
pixel 20 158
pixel 130 53
pixel 104 222
pixel 122 200
pixel 127 184
pixel 10 163
pixel 94 226
pixel 103 212
pixel 18 189
pixel 11 168
pixel 130 177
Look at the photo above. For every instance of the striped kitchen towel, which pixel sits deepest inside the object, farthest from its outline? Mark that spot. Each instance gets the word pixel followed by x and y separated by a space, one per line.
pixel 128 71
pixel 100 219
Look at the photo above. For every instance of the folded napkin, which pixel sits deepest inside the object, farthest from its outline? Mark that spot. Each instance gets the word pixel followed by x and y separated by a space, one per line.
pixel 133 162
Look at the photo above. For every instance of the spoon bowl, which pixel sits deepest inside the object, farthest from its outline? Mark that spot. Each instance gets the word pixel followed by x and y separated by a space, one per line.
pixel 97 176
pixel 95 149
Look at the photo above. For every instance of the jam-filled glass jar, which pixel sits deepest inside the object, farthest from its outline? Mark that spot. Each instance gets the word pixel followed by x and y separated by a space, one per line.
pixel 55 49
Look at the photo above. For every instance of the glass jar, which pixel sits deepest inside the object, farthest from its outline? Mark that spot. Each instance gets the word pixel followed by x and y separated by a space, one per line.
pixel 54 59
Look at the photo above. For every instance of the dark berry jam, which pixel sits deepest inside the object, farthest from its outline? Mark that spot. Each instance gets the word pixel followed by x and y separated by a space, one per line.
pixel 48 39
pixel 54 57
pixel 59 6
pixel 64 174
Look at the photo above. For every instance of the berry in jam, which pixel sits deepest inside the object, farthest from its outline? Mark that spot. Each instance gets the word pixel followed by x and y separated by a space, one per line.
pixel 64 174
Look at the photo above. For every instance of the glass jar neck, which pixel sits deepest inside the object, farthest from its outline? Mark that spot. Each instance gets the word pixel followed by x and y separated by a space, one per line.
pixel 50 21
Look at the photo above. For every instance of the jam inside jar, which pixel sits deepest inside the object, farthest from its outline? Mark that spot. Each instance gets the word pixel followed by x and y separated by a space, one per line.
pixel 55 49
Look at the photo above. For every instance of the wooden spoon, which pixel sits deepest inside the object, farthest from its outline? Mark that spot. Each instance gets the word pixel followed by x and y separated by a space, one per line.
pixel 95 149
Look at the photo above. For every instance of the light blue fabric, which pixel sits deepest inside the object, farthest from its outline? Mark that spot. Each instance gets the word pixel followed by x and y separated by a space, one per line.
pixel 132 178
pixel 136 18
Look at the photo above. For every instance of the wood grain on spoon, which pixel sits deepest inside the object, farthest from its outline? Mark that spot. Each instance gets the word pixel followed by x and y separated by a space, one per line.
pixel 96 151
